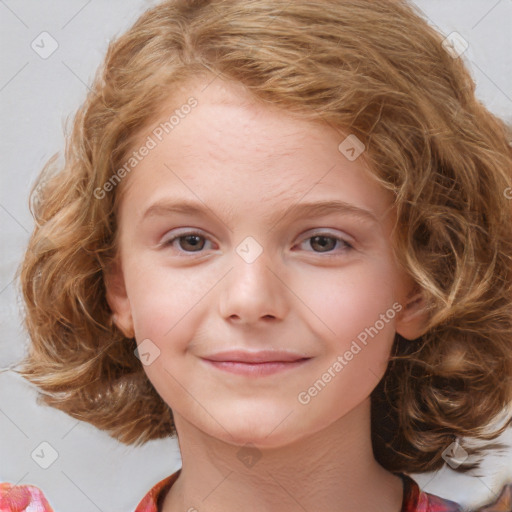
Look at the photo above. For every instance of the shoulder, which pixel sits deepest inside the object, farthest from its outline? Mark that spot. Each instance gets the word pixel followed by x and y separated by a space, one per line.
pixel 23 498
pixel 503 503
pixel 416 500
pixel 28 498
pixel 153 500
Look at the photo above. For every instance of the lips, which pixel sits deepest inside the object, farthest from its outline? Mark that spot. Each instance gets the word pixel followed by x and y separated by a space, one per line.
pixel 260 357
pixel 256 364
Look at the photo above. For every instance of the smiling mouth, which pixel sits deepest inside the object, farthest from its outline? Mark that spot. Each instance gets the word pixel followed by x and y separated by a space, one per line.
pixel 255 363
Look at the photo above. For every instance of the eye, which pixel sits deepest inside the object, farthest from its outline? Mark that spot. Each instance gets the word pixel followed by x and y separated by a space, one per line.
pixel 188 242
pixel 322 243
pixel 325 242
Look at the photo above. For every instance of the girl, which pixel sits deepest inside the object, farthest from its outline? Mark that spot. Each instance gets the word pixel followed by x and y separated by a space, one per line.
pixel 282 234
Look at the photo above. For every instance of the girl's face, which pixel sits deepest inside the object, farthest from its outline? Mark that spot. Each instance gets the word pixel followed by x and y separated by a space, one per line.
pixel 254 263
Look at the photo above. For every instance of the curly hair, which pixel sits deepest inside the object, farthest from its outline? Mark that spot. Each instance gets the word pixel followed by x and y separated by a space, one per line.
pixel 354 65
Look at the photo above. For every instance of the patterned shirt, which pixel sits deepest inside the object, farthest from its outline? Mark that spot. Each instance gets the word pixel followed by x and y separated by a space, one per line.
pixel 28 498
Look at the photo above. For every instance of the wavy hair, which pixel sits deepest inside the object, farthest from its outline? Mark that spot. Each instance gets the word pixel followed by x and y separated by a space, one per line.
pixel 373 69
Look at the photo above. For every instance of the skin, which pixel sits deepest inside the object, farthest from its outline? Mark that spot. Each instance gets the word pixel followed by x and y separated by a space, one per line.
pixel 246 162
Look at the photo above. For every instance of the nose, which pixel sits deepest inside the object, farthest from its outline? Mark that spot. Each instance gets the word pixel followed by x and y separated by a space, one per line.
pixel 253 292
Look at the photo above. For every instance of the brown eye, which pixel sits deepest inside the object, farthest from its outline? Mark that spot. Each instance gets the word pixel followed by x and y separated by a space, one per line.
pixel 191 242
pixel 323 243
pixel 327 243
pixel 187 242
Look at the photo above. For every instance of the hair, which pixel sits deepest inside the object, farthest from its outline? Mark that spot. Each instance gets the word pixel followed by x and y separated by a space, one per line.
pixel 373 69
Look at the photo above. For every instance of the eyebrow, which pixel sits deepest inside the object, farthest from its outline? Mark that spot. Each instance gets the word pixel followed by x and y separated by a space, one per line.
pixel 316 209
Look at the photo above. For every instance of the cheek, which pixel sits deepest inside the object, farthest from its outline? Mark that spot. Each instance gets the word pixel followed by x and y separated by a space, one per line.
pixel 162 300
pixel 349 302
pixel 357 324
pixel 358 329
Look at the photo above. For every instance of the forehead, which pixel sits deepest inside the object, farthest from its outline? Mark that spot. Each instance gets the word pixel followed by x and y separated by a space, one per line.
pixel 231 148
pixel 229 119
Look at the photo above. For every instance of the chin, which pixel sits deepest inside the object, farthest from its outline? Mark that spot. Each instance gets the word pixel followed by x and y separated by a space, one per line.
pixel 257 433
pixel 261 442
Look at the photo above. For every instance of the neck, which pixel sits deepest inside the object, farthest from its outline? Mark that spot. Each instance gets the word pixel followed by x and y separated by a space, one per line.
pixel 332 470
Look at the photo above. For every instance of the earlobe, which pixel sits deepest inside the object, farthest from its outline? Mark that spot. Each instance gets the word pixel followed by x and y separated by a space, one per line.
pixel 118 300
pixel 412 320
pixel 124 325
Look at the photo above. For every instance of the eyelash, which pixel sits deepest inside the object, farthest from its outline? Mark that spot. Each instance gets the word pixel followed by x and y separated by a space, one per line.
pixel 348 247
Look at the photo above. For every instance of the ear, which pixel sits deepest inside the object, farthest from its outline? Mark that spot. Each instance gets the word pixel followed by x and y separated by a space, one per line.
pixel 411 321
pixel 117 299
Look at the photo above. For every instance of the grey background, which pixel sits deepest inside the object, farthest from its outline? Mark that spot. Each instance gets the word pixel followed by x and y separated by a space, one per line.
pixel 94 472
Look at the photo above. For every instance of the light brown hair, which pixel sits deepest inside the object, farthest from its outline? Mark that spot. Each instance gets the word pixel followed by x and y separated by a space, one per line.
pixel 373 69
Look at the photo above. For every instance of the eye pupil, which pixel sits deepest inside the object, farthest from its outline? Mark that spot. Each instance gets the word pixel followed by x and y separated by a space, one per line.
pixel 193 240
pixel 323 241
